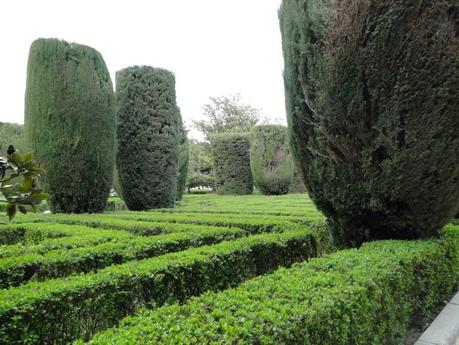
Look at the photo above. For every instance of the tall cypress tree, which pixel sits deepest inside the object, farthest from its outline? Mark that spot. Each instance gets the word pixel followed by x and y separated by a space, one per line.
pixel 70 123
pixel 372 96
pixel 147 137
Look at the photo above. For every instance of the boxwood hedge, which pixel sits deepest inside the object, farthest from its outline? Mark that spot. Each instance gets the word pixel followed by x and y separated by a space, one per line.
pixel 359 296
pixel 231 161
pixel 60 310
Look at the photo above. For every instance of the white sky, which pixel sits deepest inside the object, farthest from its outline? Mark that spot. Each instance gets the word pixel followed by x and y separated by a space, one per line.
pixel 214 47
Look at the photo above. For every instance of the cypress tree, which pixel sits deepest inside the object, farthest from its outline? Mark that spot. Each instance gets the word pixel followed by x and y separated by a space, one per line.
pixel 231 160
pixel 11 134
pixel 372 92
pixel 270 160
pixel 70 123
pixel 183 159
pixel 147 137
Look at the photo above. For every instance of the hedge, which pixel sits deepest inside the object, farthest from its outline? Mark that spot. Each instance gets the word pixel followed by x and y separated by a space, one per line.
pixel 231 162
pixel 147 137
pixel 270 160
pixel 372 97
pixel 183 160
pixel 69 123
pixel 251 223
pixel 58 311
pixel 38 265
pixel 359 296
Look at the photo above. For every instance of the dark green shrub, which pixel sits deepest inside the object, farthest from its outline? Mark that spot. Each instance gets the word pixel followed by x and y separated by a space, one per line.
pixel 270 160
pixel 372 93
pixel 147 137
pixel 70 123
pixel 183 159
pixel 231 160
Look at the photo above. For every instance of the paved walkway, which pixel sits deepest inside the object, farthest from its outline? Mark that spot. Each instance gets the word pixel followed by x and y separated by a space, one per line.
pixel 444 330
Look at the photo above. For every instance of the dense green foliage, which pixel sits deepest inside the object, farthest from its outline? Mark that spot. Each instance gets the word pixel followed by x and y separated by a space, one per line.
pixel 372 92
pixel 270 160
pixel 11 134
pixel 45 312
pixel 70 123
pixel 365 296
pixel 147 137
pixel 231 161
pixel 183 159
pixel 227 114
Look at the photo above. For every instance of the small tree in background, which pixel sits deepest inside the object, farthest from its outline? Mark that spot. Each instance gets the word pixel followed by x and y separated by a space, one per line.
pixel 227 114
pixel 372 97
pixel 11 133
pixel 200 172
pixel 270 159
pixel 183 159
pixel 231 161
pixel 70 123
pixel 147 137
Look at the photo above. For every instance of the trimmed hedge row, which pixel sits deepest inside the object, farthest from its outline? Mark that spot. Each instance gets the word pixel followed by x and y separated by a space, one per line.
pixel 270 159
pixel 144 228
pixel 364 296
pixel 58 311
pixel 260 223
pixel 40 238
pixel 69 123
pixel 147 137
pixel 231 161
pixel 63 262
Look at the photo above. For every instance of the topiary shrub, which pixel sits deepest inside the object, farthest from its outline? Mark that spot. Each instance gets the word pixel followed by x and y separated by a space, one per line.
pixel 183 159
pixel 270 160
pixel 70 123
pixel 147 137
pixel 372 92
pixel 231 160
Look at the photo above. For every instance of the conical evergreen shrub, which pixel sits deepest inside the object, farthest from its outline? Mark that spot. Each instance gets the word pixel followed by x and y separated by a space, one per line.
pixel 372 96
pixel 70 123
pixel 147 137
pixel 270 159
pixel 231 161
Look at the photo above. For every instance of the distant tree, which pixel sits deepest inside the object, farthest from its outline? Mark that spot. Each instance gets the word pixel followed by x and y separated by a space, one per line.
pixel 183 158
pixel 11 133
pixel 227 114
pixel 200 172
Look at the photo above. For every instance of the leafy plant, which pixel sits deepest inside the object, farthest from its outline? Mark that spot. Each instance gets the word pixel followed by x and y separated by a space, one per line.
pixel 19 185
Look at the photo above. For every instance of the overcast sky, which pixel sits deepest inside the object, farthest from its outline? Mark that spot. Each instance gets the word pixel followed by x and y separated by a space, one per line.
pixel 214 47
